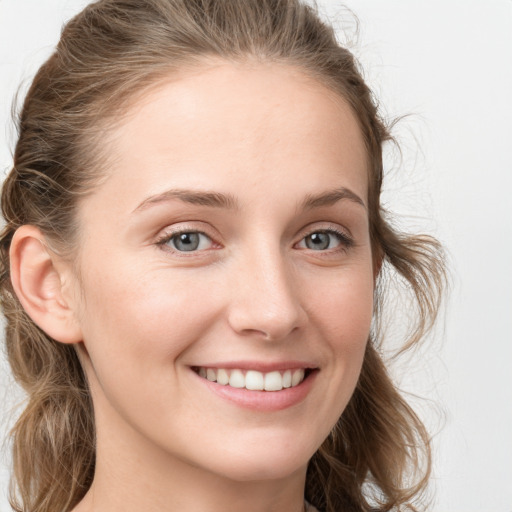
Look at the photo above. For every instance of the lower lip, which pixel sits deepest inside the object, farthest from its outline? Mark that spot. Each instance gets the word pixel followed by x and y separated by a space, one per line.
pixel 265 401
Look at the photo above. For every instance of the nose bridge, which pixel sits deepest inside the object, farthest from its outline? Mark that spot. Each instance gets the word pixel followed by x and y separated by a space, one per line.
pixel 266 299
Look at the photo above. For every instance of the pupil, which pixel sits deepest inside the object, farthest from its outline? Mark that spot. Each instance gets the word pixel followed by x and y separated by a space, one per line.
pixel 318 241
pixel 187 242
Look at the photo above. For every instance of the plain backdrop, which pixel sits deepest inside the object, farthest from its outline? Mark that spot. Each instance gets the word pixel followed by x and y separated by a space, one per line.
pixel 447 66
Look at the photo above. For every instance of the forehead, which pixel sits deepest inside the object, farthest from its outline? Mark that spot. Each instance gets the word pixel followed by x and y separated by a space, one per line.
pixel 236 125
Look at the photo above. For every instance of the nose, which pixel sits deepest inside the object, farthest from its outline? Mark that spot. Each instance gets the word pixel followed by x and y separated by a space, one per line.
pixel 265 301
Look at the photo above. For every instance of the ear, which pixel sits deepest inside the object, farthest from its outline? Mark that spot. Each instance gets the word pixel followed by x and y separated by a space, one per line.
pixel 378 260
pixel 41 281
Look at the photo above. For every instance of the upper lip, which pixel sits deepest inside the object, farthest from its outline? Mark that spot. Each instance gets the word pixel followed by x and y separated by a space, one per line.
pixel 261 366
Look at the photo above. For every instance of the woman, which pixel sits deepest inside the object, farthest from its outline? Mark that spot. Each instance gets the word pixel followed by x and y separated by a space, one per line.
pixel 190 270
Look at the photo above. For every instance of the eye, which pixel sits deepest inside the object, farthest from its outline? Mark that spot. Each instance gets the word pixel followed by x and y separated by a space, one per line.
pixel 188 241
pixel 324 240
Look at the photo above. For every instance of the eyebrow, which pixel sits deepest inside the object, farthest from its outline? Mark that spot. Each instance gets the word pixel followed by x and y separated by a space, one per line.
pixel 201 198
pixel 227 201
pixel 330 198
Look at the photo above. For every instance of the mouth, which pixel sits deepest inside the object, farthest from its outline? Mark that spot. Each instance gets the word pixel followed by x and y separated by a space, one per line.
pixel 254 380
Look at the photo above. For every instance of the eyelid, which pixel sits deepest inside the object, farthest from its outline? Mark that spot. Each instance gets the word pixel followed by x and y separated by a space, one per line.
pixel 170 232
pixel 346 239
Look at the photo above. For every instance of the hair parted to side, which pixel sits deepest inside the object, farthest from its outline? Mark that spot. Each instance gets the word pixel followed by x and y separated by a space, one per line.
pixel 377 456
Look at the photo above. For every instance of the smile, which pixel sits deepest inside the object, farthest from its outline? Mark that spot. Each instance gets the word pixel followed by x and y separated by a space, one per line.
pixel 254 380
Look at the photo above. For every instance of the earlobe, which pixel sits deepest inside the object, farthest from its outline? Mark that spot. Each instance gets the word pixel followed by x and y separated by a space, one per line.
pixel 37 278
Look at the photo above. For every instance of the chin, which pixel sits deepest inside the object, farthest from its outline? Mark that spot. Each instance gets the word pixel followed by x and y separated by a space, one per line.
pixel 265 464
pixel 271 470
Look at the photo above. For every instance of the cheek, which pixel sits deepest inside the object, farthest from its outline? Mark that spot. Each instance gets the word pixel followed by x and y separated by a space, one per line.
pixel 146 316
pixel 343 311
pixel 343 307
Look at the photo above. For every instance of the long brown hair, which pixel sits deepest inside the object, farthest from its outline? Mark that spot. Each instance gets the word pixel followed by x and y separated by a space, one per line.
pixel 377 456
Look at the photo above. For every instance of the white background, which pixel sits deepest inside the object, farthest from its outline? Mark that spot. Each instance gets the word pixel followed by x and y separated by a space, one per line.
pixel 448 63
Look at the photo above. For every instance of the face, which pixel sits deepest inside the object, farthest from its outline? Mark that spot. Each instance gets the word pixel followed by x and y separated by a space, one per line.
pixel 226 288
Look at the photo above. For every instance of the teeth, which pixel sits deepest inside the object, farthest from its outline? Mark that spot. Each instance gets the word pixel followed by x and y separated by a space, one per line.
pixel 252 379
pixel 237 379
pixel 297 377
pixel 287 379
pixel 222 377
pixel 273 381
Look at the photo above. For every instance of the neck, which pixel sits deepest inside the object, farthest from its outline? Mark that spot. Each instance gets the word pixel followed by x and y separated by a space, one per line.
pixel 132 474
pixel 190 492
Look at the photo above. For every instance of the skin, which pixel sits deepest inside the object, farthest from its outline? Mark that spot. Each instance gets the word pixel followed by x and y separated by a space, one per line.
pixel 268 138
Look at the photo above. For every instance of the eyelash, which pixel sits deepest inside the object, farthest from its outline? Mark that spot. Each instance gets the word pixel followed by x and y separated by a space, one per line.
pixel 345 241
pixel 168 237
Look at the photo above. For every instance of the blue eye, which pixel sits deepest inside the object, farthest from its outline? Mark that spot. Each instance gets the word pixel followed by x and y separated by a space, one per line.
pixel 324 240
pixel 189 241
